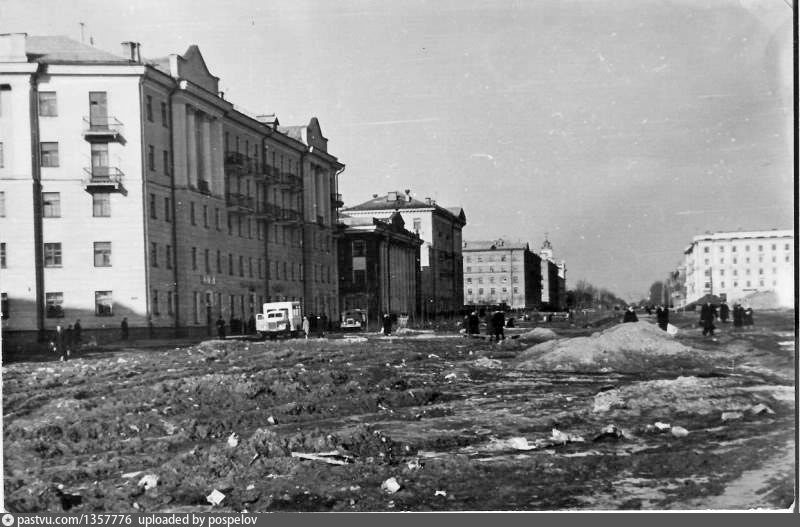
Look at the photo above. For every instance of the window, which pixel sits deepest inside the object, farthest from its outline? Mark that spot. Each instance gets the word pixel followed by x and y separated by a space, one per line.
pixel 167 210
pixel 153 212
pixel 101 205
pixel 207 260
pixel 149 107
pixel 168 254
pixel 748 283
pixel 469 292
pixel 774 247
pixel 103 304
pixel 786 247
pixel 747 248
pixel 51 204
pixel 241 265
pixel 170 303
pixel 2 164
pixel 205 216
pixel 760 271
pixel 359 277
pixel 469 280
pixel 230 264
pixel 54 305
pixel 417 225
pixel 47 104
pixel 230 225
pixel 194 258
pixel 154 254
pixel 4 307
pixel 52 255
pixel 722 272
pixel 102 254
pixel 250 267
pixel 154 302
pixel 219 261
pixel 3 255
pixel 196 307
pixel 733 249
pixel 722 260
pixel 722 249
pixel 2 204
pixel 164 117
pixel 49 153
pixel 216 218
pixel 706 249
pixel 191 213
pixel 735 284
pixel 480 290
pixel 151 157
pixel 722 285
pixel 760 248
pixel 165 161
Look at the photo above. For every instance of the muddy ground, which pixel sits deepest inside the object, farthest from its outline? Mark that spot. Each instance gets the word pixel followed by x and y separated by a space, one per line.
pixel 460 424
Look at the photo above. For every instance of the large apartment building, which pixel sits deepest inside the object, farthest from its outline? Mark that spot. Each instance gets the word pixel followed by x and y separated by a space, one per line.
pixel 442 275
pixel 554 279
pixel 734 265
pixel 499 272
pixel 132 188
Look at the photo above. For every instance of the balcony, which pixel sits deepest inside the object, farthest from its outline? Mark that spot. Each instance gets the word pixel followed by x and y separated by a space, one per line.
pixel 336 198
pixel 102 129
pixel 287 216
pixel 103 179
pixel 239 203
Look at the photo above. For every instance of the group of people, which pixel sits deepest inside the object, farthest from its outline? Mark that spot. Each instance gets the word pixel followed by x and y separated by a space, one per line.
pixel 495 322
pixel 742 316
pixel 314 324
pixel 662 315
pixel 65 341
pixel 237 326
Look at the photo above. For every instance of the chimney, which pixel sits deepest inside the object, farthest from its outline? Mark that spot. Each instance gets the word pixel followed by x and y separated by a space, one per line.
pixel 391 196
pixel 428 201
pixel 13 47
pixel 131 51
pixel 408 194
pixel 221 94
pixel 374 196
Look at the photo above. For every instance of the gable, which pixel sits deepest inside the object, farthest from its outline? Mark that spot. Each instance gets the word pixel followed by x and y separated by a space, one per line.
pixel 192 67
pixel 314 136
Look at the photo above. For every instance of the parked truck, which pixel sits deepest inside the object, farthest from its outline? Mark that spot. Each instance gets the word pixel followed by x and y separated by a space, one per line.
pixel 280 319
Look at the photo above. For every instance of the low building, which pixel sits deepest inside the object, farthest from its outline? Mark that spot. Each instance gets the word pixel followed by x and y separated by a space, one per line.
pixel 499 272
pixel 379 269
pixel 442 275
pixel 733 265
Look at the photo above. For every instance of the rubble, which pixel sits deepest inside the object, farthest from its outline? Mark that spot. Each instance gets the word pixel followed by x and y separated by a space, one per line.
pixel 390 486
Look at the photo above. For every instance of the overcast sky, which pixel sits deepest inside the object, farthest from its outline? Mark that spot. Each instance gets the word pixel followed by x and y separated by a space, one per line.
pixel 620 128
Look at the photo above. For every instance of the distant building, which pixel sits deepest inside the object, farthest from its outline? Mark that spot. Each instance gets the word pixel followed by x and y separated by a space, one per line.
pixel 737 264
pixel 132 188
pixel 379 267
pixel 554 279
pixel 442 276
pixel 498 272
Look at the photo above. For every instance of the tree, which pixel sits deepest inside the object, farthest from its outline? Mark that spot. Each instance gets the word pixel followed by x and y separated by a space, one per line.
pixel 657 293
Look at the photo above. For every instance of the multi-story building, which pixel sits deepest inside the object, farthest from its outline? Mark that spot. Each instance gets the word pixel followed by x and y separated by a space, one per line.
pixel 733 265
pixel 379 269
pixel 132 188
pixel 554 279
pixel 442 276
pixel 498 272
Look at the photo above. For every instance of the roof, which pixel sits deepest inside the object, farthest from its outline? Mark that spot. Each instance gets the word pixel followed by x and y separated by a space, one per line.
pixel 490 245
pixel 295 132
pixel 741 235
pixel 405 202
pixel 61 49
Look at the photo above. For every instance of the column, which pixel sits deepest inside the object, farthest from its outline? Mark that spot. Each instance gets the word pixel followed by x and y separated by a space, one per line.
pixel 205 148
pixel 217 158
pixel 179 145
pixel 191 146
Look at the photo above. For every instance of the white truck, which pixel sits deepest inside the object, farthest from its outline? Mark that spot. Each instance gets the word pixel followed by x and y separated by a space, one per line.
pixel 280 318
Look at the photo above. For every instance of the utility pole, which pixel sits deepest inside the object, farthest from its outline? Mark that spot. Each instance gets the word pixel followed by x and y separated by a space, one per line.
pixel 82 25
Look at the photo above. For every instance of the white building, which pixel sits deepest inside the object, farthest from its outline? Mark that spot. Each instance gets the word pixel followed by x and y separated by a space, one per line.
pixel 738 264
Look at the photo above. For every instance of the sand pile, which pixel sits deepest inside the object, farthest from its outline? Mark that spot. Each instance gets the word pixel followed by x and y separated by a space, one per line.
pixel 538 334
pixel 631 347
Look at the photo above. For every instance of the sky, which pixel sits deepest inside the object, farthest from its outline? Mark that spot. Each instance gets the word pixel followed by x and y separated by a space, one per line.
pixel 618 129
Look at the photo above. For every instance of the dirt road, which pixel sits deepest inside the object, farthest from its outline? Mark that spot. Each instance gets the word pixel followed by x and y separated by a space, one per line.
pixel 459 424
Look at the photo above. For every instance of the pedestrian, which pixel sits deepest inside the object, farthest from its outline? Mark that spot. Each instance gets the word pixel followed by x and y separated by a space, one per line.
pixel 320 327
pixel 498 323
pixel 747 316
pixel 662 317
pixel 251 324
pixel 124 328
pixel 630 315
pixel 306 326
pixel 724 311
pixel 738 315
pixel 387 324
pixel 220 327
pixel 707 316
pixel 69 340
pixel 77 332
pixel 58 344
pixel 474 323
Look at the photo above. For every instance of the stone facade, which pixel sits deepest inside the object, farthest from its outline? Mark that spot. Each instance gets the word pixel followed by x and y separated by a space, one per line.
pixel 498 272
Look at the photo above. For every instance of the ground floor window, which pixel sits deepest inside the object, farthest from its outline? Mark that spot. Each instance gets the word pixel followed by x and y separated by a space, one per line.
pixel 170 303
pixel 103 304
pixel 155 303
pixel 54 305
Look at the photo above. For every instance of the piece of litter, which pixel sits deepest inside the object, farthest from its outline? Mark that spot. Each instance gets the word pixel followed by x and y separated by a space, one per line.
pixel 128 475
pixel 450 376
pixel 662 427
pixel 559 436
pixel 216 497
pixel 318 457
pixel 149 481
pixel 679 431
pixel 250 487
pixel 233 440
pixel 390 485
pixel 440 493
pixel 354 488
pixel 520 443
pixel 672 330
pixel 271 420
pixel 433 356
pixel 414 465
pixel 761 408
pixel 729 416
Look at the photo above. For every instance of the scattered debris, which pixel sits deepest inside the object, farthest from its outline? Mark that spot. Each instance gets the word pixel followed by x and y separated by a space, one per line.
pixel 440 493
pixel 606 400
pixel 390 485
pixel 760 408
pixel 414 464
pixel 129 475
pixel 609 432
pixel 433 356
pixel 215 498
pixel 730 416
pixel 679 431
pixel 271 420
pixel 661 427
pixel 332 458
pixel 233 440
pixel 559 437
pixel 485 362
pixel 150 481
pixel 450 376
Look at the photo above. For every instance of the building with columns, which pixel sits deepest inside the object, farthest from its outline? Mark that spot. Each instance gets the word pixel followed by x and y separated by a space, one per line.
pixel 379 268
pixel 131 188
pixel 442 272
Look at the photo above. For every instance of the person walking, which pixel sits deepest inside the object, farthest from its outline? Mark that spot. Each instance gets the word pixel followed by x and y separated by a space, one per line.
pixel 498 323
pixel 724 311
pixel 662 317
pixel 707 316
pixel 306 326
pixel 474 324
pixel 124 328
pixel 58 344
pixel 630 315
pixel 220 327
pixel 77 332
pixel 387 324
pixel 738 316
pixel 747 316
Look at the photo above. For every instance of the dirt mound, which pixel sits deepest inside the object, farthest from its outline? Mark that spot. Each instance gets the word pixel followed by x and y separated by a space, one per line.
pixel 538 334
pixel 629 348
